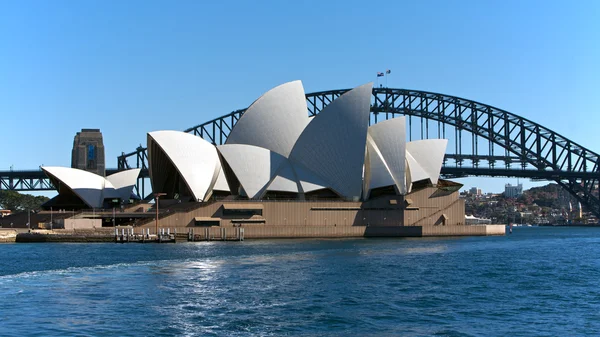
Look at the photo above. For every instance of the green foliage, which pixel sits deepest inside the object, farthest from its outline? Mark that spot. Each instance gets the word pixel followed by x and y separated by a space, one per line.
pixel 18 202
pixel 544 196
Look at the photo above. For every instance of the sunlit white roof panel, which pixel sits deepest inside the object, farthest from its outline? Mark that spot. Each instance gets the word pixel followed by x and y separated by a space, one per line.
pixel 221 183
pixel 86 185
pixel 274 121
pixel 389 138
pixel 377 173
pixel 414 171
pixel 196 160
pixel 333 144
pixel 285 180
pixel 308 180
pixel 123 182
pixel 253 166
pixel 429 154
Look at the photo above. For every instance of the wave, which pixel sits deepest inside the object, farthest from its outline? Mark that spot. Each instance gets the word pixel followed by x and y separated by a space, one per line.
pixel 426 250
pixel 77 270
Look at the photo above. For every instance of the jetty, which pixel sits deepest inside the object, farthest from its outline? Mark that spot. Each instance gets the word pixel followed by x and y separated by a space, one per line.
pixel 127 235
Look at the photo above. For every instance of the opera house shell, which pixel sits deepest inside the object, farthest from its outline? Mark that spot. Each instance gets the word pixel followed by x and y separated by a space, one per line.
pixel 79 189
pixel 283 173
pixel 279 166
pixel 276 151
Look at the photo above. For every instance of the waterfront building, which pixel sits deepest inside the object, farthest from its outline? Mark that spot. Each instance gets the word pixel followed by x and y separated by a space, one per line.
pixel 513 191
pixel 278 166
pixel 282 173
pixel 275 150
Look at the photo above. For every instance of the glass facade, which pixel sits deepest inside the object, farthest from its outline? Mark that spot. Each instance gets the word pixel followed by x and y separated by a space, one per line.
pixel 91 156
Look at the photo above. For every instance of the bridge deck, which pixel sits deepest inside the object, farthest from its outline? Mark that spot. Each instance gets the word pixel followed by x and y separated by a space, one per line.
pixel 36 180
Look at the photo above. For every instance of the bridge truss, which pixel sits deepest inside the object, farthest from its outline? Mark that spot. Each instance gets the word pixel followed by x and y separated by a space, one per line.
pixel 35 180
pixel 483 141
pixel 25 181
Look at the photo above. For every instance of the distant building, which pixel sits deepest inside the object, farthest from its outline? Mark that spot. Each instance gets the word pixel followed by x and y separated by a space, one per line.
pixel 88 152
pixel 513 191
pixel 475 191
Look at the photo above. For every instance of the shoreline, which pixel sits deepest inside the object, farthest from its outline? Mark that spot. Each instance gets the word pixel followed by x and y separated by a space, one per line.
pixel 108 234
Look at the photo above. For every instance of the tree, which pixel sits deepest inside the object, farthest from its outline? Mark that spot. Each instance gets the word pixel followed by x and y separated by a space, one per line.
pixel 18 202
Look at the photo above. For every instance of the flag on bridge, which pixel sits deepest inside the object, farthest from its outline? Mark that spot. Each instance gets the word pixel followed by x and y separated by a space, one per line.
pixel 380 74
pixel 388 71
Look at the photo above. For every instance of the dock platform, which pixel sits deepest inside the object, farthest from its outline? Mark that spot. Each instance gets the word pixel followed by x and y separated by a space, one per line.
pixel 128 235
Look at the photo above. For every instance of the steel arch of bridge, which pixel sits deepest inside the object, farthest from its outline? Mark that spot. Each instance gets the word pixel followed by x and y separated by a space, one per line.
pixel 487 141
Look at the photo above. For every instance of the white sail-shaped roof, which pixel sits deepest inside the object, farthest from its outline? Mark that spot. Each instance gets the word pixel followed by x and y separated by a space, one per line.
pixel 221 184
pixel 196 160
pixel 429 155
pixel 123 182
pixel 285 179
pixel 389 141
pixel 377 173
pixel 333 144
pixel 274 121
pixel 253 166
pixel 308 180
pixel 414 171
pixel 86 185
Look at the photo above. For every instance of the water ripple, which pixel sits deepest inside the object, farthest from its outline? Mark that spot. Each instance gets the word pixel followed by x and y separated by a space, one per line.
pixel 537 281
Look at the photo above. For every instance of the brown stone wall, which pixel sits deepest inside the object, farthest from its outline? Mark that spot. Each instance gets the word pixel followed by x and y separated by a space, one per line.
pixel 463 230
pixel 429 207
pixel 269 231
pixel 430 204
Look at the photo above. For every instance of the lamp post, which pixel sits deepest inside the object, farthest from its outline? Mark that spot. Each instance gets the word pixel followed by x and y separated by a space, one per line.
pixel 156 196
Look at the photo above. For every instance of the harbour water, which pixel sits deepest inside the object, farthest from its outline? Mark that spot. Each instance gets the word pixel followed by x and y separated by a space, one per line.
pixel 537 281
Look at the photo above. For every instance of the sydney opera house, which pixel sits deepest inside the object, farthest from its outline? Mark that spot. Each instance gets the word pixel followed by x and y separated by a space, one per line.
pixel 79 189
pixel 282 173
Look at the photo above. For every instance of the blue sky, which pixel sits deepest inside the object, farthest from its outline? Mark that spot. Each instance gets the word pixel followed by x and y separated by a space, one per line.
pixel 129 67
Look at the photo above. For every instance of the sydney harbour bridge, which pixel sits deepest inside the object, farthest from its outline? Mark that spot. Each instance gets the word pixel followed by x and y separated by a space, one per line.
pixel 483 141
